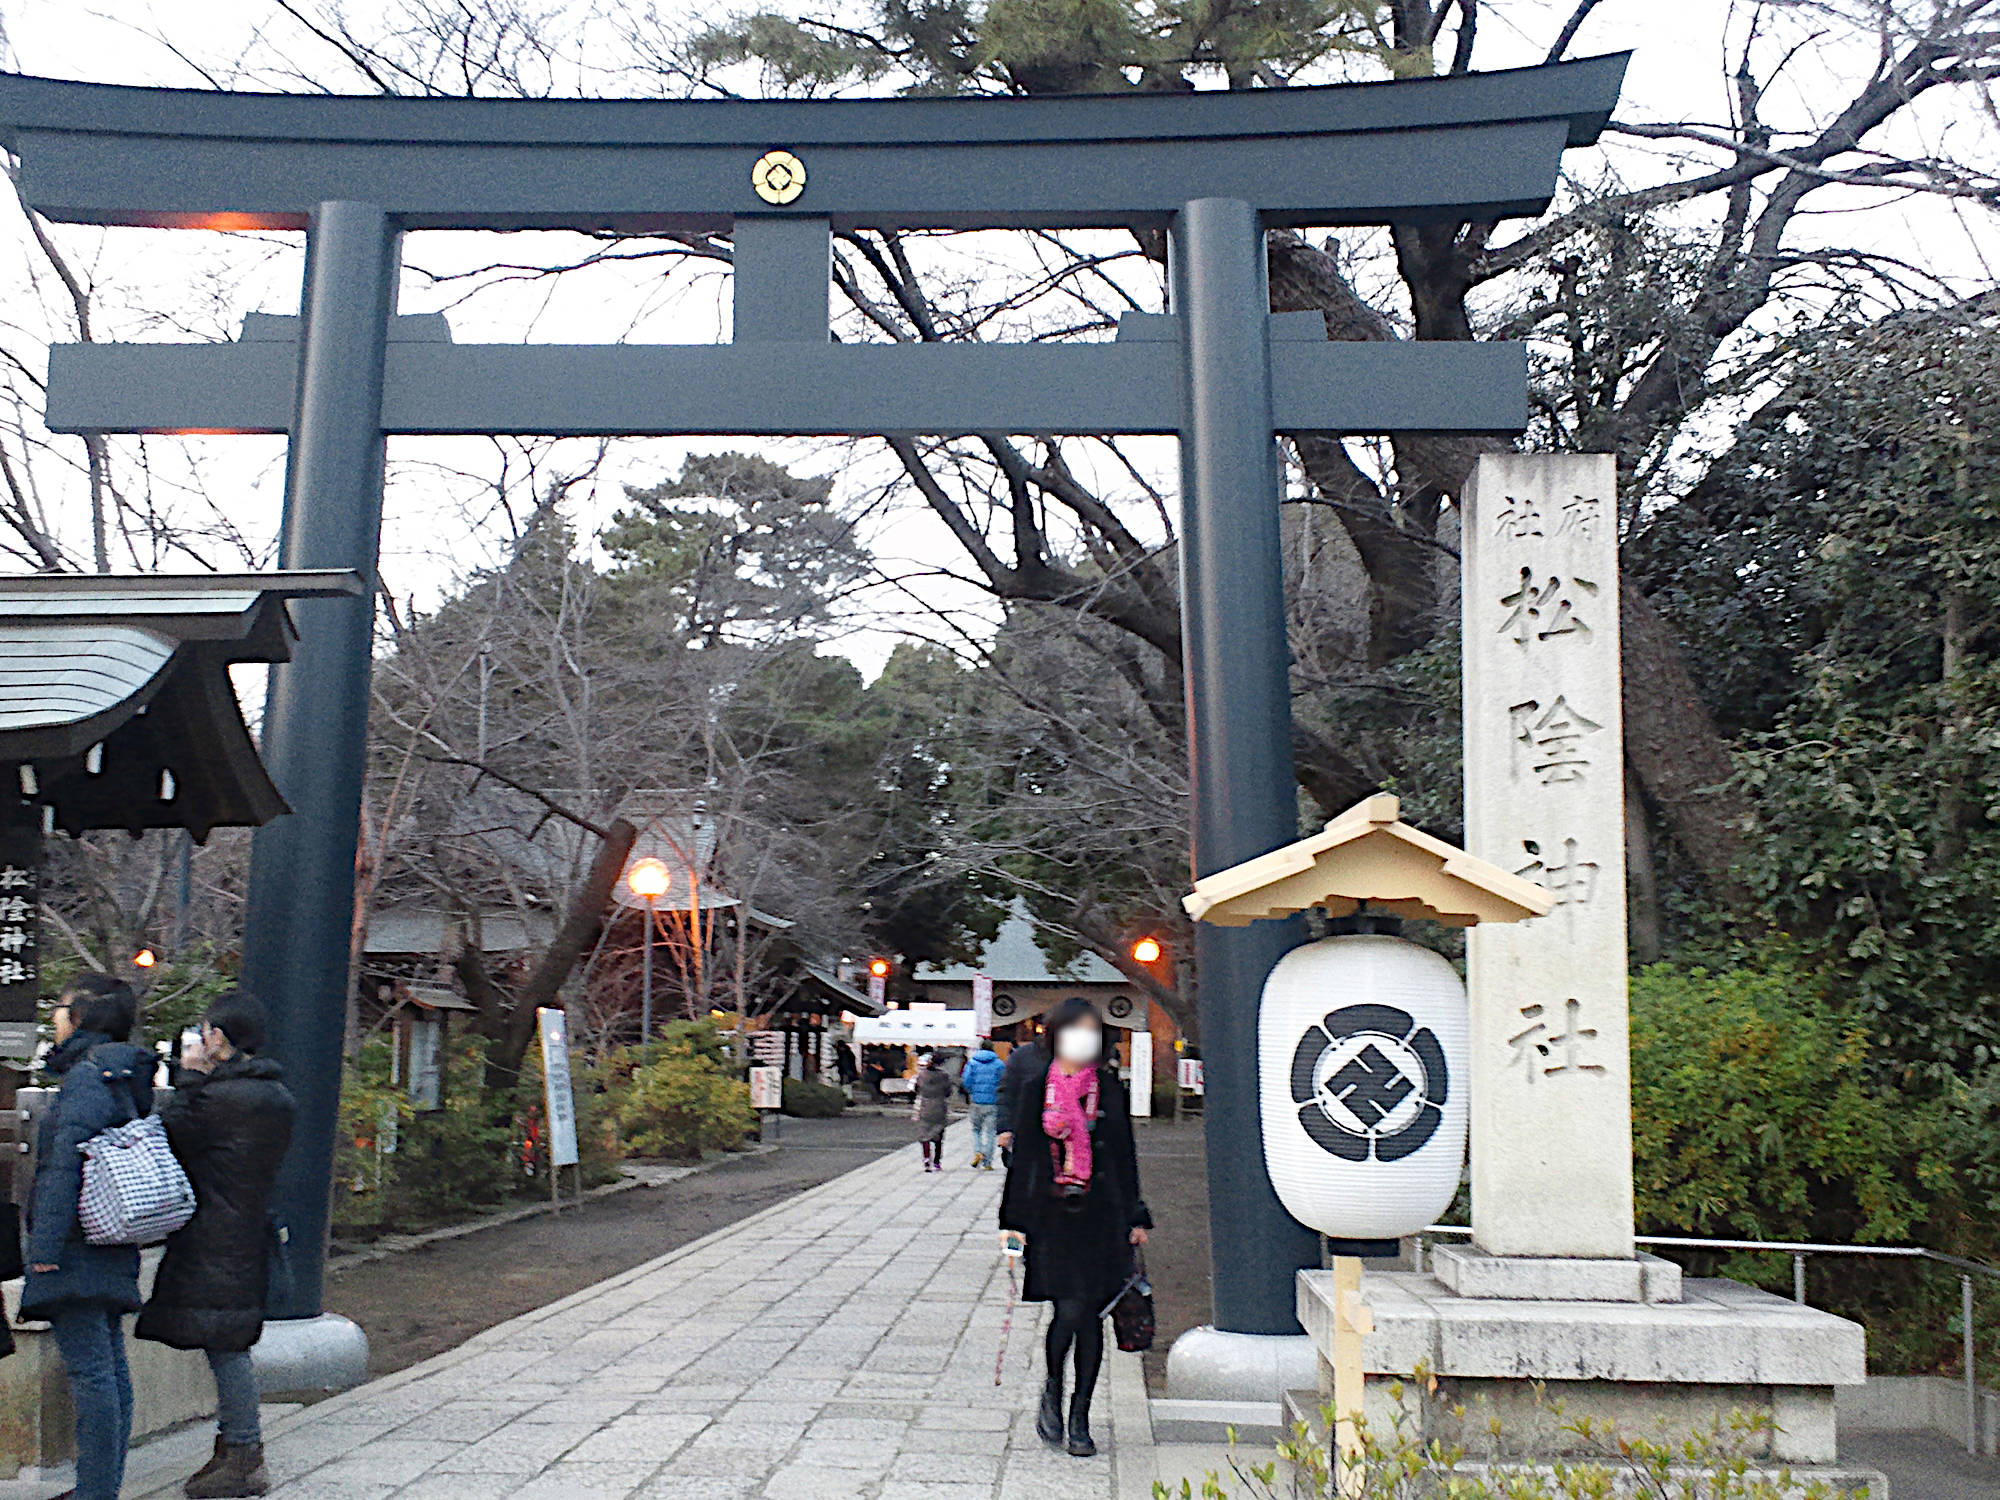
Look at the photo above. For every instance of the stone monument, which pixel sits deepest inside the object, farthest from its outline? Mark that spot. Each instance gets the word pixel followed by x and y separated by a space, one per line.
pixel 1545 798
pixel 1550 1298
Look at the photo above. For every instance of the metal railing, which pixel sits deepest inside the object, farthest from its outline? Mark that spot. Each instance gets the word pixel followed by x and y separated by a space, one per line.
pixel 1799 1252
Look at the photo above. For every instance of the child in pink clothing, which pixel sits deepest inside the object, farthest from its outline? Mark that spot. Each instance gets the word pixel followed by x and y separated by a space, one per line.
pixel 1069 1109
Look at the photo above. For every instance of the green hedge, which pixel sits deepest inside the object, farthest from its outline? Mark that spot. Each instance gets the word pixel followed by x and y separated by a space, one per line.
pixel 1760 1111
pixel 396 1170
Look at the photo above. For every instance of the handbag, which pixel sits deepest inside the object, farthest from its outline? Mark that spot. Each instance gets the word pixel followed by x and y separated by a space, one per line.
pixel 1131 1310
pixel 12 1264
pixel 134 1191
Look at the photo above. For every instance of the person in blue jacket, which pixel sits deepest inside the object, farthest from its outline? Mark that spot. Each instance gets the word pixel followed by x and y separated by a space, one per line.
pixel 980 1078
pixel 85 1290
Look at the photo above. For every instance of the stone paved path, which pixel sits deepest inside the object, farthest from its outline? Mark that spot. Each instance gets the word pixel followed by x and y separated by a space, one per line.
pixel 837 1347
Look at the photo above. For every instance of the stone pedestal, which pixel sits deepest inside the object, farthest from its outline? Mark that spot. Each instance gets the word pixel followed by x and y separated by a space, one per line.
pixel 1652 1368
pixel 37 1420
pixel 1468 1271
pixel 298 1355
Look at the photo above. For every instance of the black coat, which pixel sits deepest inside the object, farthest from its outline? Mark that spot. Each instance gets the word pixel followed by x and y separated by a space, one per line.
pixel 104 1083
pixel 1027 1060
pixel 1083 1251
pixel 230 1129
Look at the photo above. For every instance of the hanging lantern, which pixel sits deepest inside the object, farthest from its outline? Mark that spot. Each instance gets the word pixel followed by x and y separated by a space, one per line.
pixel 1364 1039
pixel 1364 1043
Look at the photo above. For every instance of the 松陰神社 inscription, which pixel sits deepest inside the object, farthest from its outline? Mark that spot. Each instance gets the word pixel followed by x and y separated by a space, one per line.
pixel 1545 798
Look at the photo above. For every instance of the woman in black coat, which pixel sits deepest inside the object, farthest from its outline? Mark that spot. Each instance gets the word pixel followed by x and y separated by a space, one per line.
pixel 85 1290
pixel 1080 1220
pixel 230 1123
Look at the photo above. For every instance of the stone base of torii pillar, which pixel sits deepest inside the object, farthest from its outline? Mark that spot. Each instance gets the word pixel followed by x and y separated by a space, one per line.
pixel 1550 1302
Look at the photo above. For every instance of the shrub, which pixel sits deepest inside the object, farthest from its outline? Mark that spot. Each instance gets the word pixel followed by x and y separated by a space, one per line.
pixel 1754 1115
pixel 400 1170
pixel 1760 1111
pixel 672 1098
pixel 813 1101
pixel 177 993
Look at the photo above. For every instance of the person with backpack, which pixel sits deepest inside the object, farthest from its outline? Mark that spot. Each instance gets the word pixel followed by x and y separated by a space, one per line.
pixel 85 1290
pixel 980 1079
pixel 230 1122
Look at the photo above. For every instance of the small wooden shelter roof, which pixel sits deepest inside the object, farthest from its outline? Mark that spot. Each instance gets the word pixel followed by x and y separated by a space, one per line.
pixel 437 997
pixel 1368 854
pixel 821 991
pixel 115 693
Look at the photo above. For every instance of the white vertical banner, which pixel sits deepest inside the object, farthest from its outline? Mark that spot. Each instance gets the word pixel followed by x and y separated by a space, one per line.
pixel 556 1087
pixel 878 990
pixel 982 1004
pixel 426 1088
pixel 767 1088
pixel 1141 1087
pixel 1545 798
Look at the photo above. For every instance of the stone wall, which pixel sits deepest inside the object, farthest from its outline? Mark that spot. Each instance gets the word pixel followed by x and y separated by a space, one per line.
pixel 1919 1403
pixel 37 1423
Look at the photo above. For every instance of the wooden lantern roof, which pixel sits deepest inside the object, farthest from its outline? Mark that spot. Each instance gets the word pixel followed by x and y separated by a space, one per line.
pixel 1368 854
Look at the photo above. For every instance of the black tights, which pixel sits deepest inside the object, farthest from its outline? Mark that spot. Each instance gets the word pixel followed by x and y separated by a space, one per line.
pixel 933 1152
pixel 1077 1323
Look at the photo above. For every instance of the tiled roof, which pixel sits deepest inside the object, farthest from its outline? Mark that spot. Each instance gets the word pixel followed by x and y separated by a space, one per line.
pixel 1014 957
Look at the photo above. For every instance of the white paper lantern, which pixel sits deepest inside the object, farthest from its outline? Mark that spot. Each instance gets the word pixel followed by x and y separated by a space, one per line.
pixel 1363 1048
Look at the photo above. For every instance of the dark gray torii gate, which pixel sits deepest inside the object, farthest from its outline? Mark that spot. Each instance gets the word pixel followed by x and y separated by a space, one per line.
pixel 1213 169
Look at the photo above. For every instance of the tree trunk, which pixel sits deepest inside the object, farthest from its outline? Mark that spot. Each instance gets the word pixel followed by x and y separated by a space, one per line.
pixel 511 1032
pixel 1642 884
pixel 1680 757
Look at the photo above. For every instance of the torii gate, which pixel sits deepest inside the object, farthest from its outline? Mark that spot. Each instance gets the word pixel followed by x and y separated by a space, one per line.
pixel 1220 372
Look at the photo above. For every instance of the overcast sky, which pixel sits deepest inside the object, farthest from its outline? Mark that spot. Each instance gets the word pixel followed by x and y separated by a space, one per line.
pixel 181 285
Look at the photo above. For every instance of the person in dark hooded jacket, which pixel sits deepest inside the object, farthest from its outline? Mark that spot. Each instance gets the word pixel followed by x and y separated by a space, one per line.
pixel 230 1123
pixel 85 1290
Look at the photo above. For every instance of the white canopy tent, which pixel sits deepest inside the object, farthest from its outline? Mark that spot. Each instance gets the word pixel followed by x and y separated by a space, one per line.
pixel 919 1028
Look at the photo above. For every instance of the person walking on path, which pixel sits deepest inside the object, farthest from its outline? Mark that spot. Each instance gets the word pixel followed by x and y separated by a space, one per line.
pixel 1072 1194
pixel 1025 1061
pixel 85 1290
pixel 981 1081
pixel 229 1122
pixel 931 1110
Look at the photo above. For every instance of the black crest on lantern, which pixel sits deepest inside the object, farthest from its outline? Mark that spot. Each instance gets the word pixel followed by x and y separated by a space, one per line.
pixel 1369 1081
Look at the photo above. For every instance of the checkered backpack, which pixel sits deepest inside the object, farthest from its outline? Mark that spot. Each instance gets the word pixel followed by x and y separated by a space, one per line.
pixel 134 1191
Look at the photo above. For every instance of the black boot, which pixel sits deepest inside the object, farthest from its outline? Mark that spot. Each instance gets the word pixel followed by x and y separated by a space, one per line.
pixel 214 1462
pixel 1080 1444
pixel 241 1472
pixel 1049 1424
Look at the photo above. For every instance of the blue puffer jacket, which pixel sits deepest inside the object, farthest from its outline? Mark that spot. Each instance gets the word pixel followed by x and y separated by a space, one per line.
pixel 980 1077
pixel 104 1083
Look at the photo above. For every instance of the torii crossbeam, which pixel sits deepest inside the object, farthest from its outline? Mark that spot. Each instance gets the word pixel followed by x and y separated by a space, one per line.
pixel 1212 169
